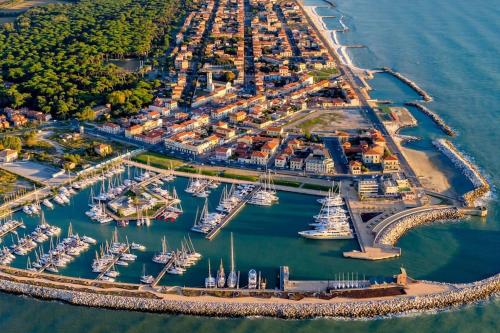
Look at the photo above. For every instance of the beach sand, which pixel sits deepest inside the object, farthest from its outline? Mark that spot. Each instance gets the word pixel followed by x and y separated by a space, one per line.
pixel 430 175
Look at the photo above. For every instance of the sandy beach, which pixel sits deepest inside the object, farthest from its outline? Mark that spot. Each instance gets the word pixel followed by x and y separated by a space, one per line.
pixel 331 37
pixel 430 175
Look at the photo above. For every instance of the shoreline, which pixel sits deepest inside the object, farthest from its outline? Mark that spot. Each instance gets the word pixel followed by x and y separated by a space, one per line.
pixel 331 36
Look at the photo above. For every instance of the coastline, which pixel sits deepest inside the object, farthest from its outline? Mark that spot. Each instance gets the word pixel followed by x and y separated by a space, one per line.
pixel 331 36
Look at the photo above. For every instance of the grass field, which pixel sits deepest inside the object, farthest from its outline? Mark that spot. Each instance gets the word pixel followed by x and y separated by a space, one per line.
pixel 323 74
pixel 158 160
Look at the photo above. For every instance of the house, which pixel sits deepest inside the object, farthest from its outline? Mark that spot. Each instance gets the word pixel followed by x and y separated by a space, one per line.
pixel 372 155
pixel 133 130
pixel 319 164
pixel 103 149
pixel 270 146
pixel 296 163
pixel 275 131
pixel 280 161
pixel 259 157
pixel 8 155
pixel 223 153
pixel 111 128
pixel 355 167
pixel 237 117
pixel 390 164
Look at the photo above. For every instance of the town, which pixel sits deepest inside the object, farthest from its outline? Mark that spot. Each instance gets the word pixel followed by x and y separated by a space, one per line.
pixel 236 106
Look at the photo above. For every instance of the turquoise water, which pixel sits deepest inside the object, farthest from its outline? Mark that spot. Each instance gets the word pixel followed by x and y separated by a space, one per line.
pixel 450 48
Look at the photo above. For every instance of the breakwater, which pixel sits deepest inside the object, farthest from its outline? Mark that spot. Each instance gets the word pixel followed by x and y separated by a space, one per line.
pixel 452 296
pixel 409 82
pixel 435 118
pixel 481 186
pixel 393 232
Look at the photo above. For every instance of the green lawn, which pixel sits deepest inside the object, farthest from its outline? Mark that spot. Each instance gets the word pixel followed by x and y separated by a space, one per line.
pixel 316 187
pixel 158 160
pixel 288 183
pixel 323 74
pixel 240 177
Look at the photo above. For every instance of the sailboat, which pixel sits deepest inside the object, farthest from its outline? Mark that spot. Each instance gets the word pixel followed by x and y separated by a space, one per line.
pixel 146 279
pixel 232 278
pixel 221 276
pixel 210 280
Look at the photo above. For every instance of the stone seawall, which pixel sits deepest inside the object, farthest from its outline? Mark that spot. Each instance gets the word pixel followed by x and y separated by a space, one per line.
pixel 481 186
pixel 391 234
pixel 456 296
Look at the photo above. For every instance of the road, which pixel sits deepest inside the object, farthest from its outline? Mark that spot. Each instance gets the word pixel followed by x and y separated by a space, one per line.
pixel 365 107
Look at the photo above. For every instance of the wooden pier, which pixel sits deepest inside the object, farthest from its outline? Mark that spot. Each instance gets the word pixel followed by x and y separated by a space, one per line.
pixel 162 273
pixel 11 229
pixel 116 257
pixel 211 235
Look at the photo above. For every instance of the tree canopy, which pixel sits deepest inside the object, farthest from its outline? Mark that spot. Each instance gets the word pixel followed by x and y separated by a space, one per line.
pixel 55 58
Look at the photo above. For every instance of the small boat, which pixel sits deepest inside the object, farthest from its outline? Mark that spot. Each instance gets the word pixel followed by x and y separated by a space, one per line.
pixel 210 280
pixel 252 279
pixel 146 279
pixel 48 204
pixel 88 240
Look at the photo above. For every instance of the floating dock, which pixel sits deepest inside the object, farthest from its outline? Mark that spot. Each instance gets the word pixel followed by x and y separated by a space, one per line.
pixel 113 262
pixel 16 225
pixel 163 272
pixel 211 235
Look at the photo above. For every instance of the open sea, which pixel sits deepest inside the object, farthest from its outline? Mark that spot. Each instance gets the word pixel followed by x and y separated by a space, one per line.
pixel 450 48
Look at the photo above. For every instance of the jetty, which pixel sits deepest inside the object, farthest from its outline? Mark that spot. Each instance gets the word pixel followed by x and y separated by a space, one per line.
pixel 409 82
pixel 211 235
pixel 471 171
pixel 111 263
pixel 436 118
pixel 162 273
pixel 12 227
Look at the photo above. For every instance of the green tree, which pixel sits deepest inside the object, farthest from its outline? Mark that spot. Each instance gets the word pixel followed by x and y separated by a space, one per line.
pixel 12 142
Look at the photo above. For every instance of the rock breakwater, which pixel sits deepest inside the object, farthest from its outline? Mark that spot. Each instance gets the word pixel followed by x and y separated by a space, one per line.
pixel 435 118
pixel 481 186
pixel 455 295
pixel 392 233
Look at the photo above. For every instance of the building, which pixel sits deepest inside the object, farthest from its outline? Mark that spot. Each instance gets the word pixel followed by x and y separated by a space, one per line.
pixel 275 131
pixel 223 153
pixel 367 187
pixel 296 163
pixel 390 187
pixel 133 130
pixel 372 155
pixel 319 164
pixel 111 128
pixel 103 149
pixel 259 157
pixel 8 155
pixel 355 167
pixel 390 164
pixel 280 161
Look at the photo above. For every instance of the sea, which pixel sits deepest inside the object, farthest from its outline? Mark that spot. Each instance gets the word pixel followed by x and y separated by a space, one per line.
pixel 450 48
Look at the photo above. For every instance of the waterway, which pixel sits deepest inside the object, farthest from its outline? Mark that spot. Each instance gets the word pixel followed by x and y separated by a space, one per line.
pixel 449 48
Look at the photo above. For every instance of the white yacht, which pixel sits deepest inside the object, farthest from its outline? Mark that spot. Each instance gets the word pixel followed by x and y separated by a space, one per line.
pixel 48 204
pixel 252 279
